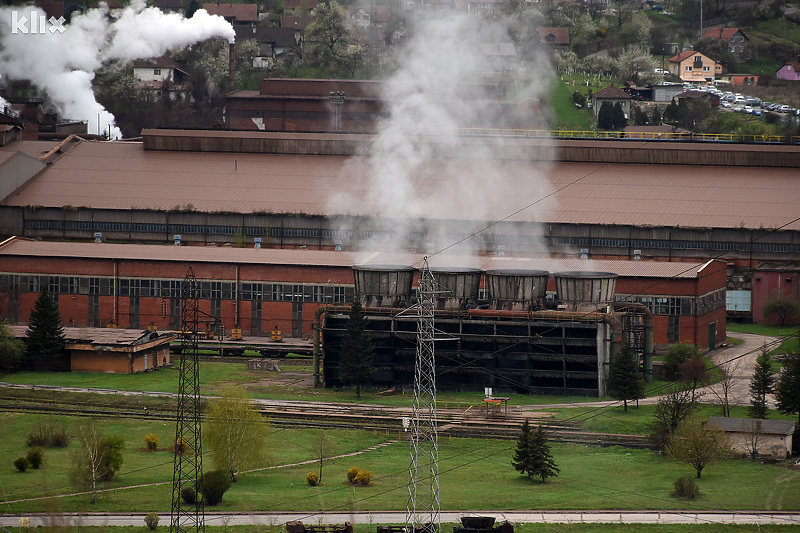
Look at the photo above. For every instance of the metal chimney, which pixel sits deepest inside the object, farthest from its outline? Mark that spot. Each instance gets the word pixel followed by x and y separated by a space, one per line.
pixel 232 66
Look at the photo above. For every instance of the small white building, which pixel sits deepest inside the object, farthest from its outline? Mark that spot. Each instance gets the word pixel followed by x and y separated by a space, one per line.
pixel 757 436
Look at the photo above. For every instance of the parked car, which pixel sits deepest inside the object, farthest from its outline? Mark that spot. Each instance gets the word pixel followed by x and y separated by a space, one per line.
pixel 661 71
pixel 785 109
pixel 748 109
pixel 756 112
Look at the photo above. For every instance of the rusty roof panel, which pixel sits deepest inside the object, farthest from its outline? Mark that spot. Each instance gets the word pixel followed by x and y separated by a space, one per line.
pixel 322 258
pixel 124 176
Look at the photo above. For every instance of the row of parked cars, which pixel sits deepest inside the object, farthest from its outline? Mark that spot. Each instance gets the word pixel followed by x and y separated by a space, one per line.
pixel 744 104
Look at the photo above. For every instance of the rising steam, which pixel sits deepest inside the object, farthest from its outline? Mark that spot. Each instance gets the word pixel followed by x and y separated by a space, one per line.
pixel 426 175
pixel 62 64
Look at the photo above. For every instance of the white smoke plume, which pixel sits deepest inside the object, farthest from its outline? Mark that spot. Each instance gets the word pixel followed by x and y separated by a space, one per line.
pixel 426 175
pixel 62 64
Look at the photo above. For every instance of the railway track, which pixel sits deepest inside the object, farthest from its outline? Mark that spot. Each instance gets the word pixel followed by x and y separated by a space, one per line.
pixel 379 419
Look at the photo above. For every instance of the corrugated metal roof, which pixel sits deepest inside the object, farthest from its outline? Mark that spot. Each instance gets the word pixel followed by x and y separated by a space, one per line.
pixel 269 256
pixel 746 425
pixel 124 176
pixel 102 336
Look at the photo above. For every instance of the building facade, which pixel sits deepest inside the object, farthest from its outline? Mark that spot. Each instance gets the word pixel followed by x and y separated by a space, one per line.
pixel 136 286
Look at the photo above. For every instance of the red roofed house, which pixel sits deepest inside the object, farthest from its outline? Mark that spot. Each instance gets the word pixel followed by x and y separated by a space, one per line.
pixel 694 67
pixel 612 95
pixel 234 13
pixel 557 39
pixel 790 71
pixel 733 36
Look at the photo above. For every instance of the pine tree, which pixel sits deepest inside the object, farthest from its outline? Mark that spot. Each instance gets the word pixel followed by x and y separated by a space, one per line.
pixel 532 455
pixel 542 463
pixel 625 381
pixel 358 353
pixel 45 334
pixel 521 459
pixel 787 390
pixel 762 383
pixel 605 116
pixel 618 117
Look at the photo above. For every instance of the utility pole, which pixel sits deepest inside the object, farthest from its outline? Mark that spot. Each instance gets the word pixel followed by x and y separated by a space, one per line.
pixel 188 462
pixel 423 506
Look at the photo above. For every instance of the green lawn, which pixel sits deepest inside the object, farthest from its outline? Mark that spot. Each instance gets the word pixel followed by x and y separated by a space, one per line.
pixel 567 116
pixel 470 469
pixel 278 527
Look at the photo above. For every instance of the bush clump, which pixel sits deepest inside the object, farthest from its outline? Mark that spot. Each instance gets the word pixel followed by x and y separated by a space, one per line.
pixel 312 478
pixel 686 488
pixel 35 457
pixel 151 520
pixel 189 495
pixel 152 442
pixel 358 476
pixel 181 445
pixel 48 434
pixel 214 485
pixel 363 478
pixel 21 464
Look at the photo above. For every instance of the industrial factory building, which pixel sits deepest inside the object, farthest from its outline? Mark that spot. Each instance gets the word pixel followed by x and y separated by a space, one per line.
pixel 653 201
pixel 661 201
pixel 135 286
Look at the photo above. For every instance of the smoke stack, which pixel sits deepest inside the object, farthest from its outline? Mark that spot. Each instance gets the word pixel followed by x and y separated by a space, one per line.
pixel 231 65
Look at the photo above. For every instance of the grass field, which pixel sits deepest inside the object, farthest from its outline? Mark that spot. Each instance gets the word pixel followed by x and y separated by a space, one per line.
pixel 276 527
pixel 591 478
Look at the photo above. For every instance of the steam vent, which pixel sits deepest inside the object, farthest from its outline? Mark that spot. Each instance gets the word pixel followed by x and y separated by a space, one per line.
pixel 516 290
pixel 457 287
pixel 585 291
pixel 382 285
pixel 508 342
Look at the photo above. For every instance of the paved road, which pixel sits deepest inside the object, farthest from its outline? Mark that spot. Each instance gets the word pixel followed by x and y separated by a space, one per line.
pixel 551 517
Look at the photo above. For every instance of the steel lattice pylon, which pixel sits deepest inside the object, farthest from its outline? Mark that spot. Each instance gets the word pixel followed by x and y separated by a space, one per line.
pixel 188 518
pixel 422 505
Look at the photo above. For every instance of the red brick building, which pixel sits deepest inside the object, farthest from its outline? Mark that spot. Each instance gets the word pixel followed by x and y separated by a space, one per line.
pixel 133 286
pixel 769 280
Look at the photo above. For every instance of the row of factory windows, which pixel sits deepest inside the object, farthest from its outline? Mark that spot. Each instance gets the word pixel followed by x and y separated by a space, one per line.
pixel 171 288
pixel 286 292
pixel 676 305
pixel 317 233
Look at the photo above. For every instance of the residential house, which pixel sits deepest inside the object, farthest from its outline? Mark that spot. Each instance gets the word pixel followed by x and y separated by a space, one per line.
pixel 376 16
pixel 789 72
pixel 556 39
pixel 112 350
pixel 693 67
pixel 735 39
pixel 236 14
pixel 272 42
pixel 612 95
pixel 752 436
pixel 161 74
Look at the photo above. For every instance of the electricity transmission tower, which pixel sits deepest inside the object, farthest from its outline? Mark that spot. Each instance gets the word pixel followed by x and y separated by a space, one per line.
pixel 422 505
pixel 188 471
